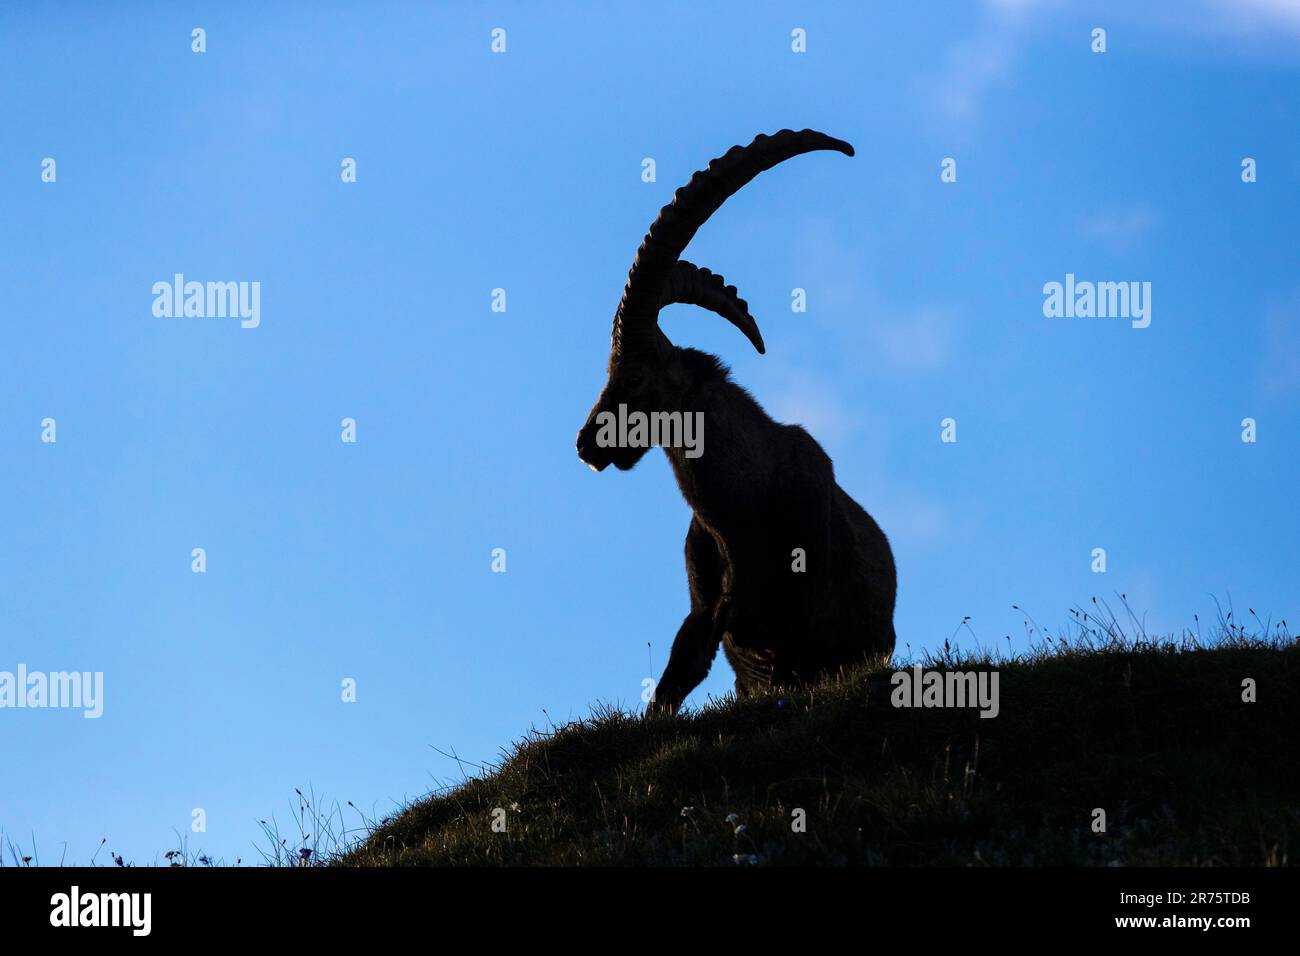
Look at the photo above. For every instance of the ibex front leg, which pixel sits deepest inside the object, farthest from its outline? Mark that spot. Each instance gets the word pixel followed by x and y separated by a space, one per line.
pixel 696 643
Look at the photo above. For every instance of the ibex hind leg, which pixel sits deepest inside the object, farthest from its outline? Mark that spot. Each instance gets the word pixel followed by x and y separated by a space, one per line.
pixel 881 648
pixel 755 673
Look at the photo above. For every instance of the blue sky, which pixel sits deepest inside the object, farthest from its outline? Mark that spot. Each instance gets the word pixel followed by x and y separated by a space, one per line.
pixel 522 171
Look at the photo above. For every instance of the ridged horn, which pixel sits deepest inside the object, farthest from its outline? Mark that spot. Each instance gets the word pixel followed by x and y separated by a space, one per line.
pixel 636 321
pixel 691 285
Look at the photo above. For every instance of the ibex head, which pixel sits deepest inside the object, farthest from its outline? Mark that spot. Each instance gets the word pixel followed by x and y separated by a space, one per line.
pixel 646 373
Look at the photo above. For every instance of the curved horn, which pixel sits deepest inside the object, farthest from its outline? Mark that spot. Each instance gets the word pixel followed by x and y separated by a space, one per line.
pixel 636 321
pixel 692 285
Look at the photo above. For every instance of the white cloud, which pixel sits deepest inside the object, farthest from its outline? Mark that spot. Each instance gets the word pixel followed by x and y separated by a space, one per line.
pixel 981 61
pixel 978 63
pixel 1279 373
pixel 915 520
pixel 1255 16
pixel 802 400
pixel 904 338
pixel 1119 226
pixel 919 341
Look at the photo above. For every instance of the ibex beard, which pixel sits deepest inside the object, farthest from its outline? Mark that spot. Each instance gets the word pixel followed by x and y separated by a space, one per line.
pixel 786 572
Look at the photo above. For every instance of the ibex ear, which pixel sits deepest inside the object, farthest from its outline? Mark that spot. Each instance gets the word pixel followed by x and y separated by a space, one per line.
pixel 692 285
pixel 664 346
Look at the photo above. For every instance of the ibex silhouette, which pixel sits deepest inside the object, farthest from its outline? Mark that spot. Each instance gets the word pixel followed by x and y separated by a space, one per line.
pixel 785 570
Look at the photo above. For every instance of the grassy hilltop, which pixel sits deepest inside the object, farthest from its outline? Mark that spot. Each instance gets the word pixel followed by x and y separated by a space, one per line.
pixel 1155 733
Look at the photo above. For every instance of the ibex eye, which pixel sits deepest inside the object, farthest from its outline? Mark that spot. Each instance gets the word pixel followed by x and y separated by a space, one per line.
pixel 634 381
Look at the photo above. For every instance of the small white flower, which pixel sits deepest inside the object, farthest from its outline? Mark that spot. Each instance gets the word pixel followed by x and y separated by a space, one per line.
pixel 687 811
pixel 514 807
pixel 733 818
